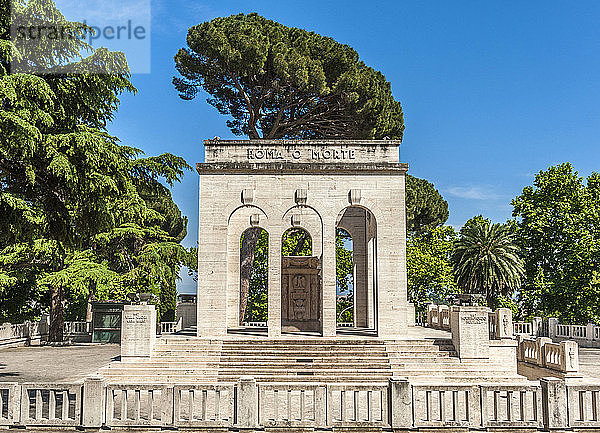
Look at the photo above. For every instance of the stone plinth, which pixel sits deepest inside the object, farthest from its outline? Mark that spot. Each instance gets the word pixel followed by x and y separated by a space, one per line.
pixel 470 332
pixel 138 332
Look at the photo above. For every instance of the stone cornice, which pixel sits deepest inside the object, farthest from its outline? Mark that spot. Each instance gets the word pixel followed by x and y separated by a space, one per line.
pixel 300 168
pixel 264 142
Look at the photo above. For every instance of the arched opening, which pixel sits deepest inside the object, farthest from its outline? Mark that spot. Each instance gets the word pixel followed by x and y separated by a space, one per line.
pixel 357 223
pixel 296 242
pixel 344 279
pixel 300 283
pixel 254 274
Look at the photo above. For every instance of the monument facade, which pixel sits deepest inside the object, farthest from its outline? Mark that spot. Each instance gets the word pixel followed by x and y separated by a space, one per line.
pixel 318 186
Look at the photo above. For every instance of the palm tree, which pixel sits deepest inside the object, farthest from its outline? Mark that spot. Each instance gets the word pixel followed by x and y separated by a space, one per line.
pixel 486 259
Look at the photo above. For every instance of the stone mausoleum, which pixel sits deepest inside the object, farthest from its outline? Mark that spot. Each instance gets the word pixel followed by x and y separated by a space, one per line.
pixel 318 186
pixel 464 368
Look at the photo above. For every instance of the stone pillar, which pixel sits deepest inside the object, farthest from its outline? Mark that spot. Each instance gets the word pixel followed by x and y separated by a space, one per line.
pixel 402 409
pixel 504 323
pixel 470 332
pixel 570 352
pixel 589 332
pixel 328 275
pixel 554 403
pixel 552 325
pixel 274 284
pixel 432 310
pixel 541 353
pixel 247 407
pixel 138 332
pixel 536 326
pixel 93 401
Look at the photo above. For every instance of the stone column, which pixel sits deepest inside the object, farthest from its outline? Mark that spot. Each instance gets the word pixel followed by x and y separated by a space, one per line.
pixel 470 332
pixel 328 281
pixel 554 403
pixel 274 284
pixel 138 332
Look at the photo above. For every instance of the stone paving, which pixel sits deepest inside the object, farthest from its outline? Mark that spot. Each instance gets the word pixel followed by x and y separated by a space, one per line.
pixel 54 364
pixel 589 361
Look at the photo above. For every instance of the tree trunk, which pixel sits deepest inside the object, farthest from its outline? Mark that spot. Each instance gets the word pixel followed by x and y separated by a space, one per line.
pixel 55 333
pixel 489 297
pixel 246 261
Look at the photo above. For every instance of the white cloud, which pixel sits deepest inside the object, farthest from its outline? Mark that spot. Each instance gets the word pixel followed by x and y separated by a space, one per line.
pixel 473 192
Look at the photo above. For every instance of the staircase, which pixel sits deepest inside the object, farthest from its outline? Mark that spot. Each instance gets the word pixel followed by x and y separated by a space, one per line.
pixel 436 361
pixel 315 360
pixel 178 359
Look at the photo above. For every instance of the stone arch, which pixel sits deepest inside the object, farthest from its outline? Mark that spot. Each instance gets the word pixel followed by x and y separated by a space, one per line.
pixel 238 221
pixel 360 222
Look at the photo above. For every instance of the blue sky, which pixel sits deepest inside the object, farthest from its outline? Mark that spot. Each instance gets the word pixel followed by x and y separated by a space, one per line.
pixel 493 92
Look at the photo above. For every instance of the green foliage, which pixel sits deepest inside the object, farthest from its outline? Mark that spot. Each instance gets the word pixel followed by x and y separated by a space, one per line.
pixel 344 273
pixel 558 227
pixel 425 206
pixel 80 214
pixel 296 242
pixel 256 310
pixel 486 260
pixel 282 82
pixel 430 273
pixel 344 265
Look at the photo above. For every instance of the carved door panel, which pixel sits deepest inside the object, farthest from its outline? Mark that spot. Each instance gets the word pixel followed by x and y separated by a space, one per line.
pixel 301 294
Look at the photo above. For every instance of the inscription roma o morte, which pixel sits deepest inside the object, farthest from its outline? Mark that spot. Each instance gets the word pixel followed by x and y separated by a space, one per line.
pixel 274 154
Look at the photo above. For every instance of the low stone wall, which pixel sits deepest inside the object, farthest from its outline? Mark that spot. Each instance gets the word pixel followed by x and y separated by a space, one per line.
pixel 246 404
pixel 23 333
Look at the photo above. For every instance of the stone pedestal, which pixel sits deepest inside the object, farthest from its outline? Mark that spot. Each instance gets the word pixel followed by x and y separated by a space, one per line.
pixel 470 332
pixel 138 332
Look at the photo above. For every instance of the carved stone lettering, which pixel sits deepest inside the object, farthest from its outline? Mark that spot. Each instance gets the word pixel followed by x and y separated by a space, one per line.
pixel 473 319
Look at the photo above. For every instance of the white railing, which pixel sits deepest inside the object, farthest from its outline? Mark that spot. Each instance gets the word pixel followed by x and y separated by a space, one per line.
pixel 138 405
pixel 584 405
pixel 297 405
pixel 585 335
pixel 73 328
pixel 345 325
pixel 50 404
pixel 203 405
pixel 171 327
pixel 444 405
pixel 255 324
pixel 523 328
pixel 357 405
pixel 515 406
pixel 397 405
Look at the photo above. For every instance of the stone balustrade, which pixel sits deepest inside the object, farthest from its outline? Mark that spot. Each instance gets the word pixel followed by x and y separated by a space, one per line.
pixel 542 352
pixel 399 404
pixel 438 316
pixel 171 327
pixel 586 335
